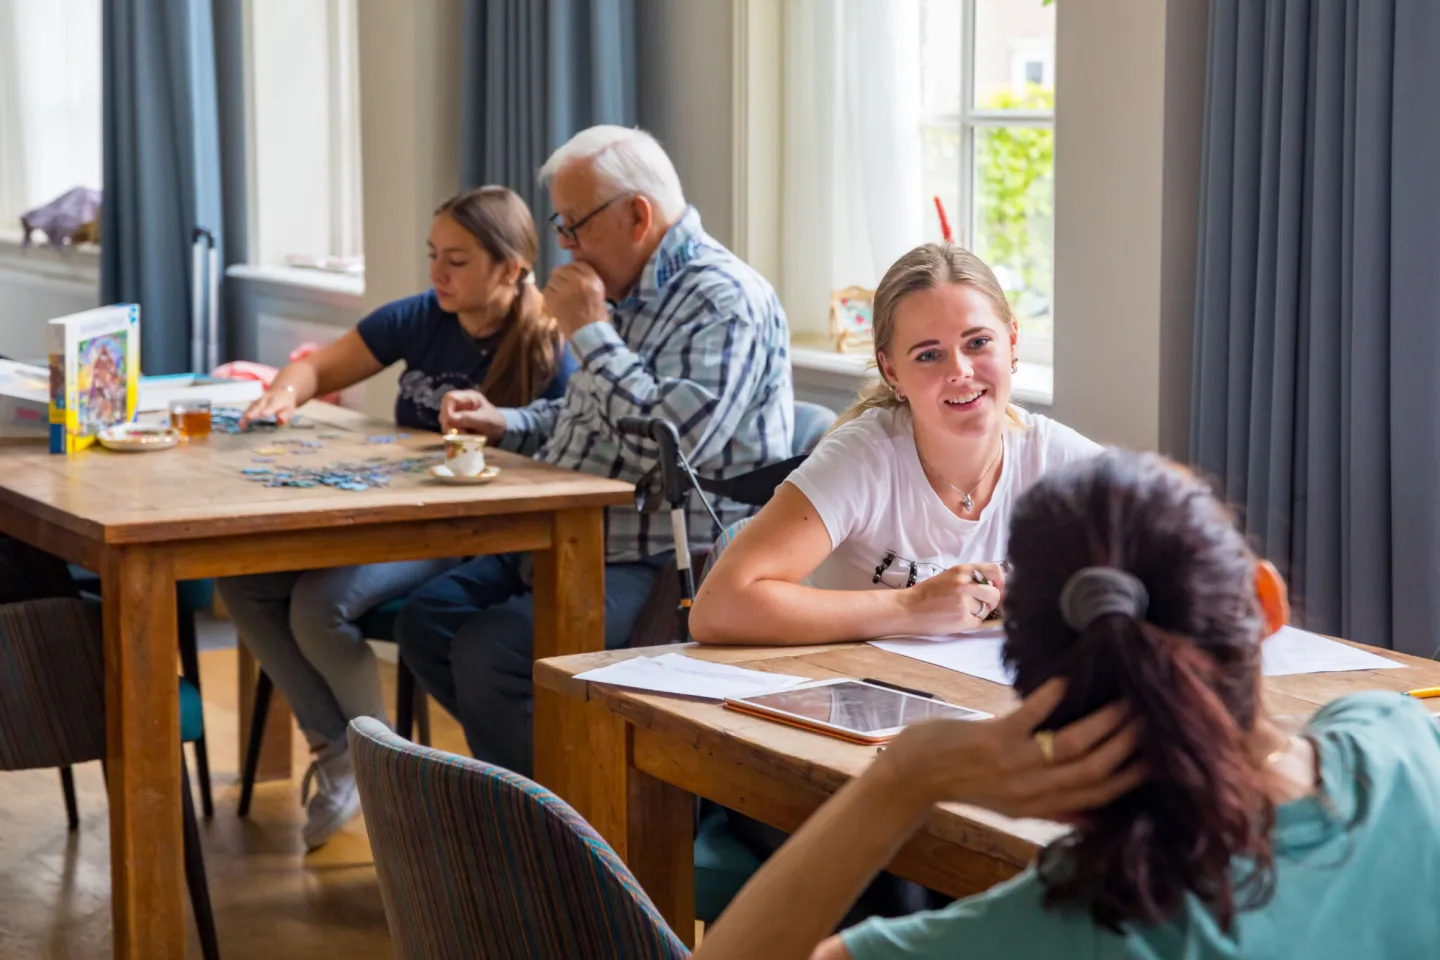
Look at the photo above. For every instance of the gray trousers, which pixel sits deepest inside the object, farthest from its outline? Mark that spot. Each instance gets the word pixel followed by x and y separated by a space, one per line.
pixel 300 625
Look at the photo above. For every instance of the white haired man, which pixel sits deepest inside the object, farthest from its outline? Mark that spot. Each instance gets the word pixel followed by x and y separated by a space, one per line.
pixel 665 322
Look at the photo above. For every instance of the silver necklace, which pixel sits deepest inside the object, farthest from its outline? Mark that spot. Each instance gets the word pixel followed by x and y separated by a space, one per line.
pixel 967 500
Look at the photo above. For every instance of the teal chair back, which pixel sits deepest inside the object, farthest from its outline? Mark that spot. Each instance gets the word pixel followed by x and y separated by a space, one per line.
pixel 476 861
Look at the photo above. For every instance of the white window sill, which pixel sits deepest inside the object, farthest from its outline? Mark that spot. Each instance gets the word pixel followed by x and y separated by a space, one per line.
pixel 822 365
pixel 299 277
pixel 78 264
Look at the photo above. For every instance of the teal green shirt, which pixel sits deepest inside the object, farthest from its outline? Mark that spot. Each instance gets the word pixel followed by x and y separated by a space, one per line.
pixel 1357 871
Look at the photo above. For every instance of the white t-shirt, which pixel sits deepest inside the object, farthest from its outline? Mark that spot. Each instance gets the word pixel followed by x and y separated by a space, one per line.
pixel 866 483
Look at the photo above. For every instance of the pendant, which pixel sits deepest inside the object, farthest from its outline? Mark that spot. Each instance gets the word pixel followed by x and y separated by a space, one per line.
pixel 966 503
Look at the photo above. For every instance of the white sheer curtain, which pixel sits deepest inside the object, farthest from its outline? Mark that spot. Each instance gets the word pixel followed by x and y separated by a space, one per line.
pixel 851 157
pixel 50 112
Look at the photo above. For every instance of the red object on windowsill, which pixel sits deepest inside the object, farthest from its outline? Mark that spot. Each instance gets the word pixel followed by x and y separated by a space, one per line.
pixel 945 233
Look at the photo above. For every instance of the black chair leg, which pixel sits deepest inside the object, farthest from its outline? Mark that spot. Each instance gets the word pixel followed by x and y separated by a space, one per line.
pixel 258 713
pixel 190 670
pixel 422 717
pixel 72 809
pixel 405 701
pixel 195 871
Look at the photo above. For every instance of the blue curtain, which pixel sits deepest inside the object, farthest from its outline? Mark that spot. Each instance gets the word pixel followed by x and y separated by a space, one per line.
pixel 162 165
pixel 535 73
pixel 1317 328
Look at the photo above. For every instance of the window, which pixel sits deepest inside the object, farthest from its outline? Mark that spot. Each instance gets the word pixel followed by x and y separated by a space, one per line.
pixel 889 104
pixel 50 119
pixel 303 130
pixel 988 143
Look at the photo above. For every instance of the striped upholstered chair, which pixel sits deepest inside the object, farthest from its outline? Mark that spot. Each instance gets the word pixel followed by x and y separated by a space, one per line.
pixel 477 862
pixel 52 712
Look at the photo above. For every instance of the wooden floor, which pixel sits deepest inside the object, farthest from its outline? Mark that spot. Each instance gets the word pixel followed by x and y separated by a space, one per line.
pixel 272 902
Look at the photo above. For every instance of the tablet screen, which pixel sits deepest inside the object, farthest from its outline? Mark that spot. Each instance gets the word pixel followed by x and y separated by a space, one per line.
pixel 861 707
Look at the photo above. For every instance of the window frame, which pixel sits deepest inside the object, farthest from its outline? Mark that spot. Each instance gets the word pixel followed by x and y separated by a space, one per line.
pixel 1033 348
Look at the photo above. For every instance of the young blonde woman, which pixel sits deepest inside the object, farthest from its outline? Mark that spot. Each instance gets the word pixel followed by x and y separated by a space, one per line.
pixel 482 326
pixel 897 522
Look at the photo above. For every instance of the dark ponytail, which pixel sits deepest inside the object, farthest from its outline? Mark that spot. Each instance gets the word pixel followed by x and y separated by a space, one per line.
pixel 528 354
pixel 1188 666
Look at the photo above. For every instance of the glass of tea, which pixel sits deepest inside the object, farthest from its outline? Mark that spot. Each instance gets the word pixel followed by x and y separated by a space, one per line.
pixel 191 418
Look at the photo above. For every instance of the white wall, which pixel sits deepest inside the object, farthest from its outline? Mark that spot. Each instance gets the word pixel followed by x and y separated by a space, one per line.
pixel 40 284
pixel 1129 114
pixel 684 82
pixel 409 96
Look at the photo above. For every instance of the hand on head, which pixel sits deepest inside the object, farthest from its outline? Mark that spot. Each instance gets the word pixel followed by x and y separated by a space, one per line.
pixel 468 411
pixel 1002 766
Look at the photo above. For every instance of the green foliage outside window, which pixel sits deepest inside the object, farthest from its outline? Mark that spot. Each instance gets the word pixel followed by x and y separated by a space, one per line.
pixel 1014 197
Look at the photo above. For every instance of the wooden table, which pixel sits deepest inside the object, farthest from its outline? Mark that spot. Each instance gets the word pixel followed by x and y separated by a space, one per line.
pixel 676 749
pixel 145 521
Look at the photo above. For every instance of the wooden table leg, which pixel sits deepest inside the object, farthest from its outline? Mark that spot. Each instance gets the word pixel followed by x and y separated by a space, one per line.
pixel 660 848
pixel 275 750
pixel 579 748
pixel 143 745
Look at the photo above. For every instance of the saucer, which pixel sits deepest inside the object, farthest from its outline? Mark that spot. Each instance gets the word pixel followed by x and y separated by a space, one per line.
pixel 442 473
pixel 138 437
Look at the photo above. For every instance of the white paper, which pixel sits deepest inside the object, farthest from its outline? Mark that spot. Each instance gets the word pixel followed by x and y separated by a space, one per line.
pixel 1290 651
pixel 977 654
pixel 1293 651
pixel 689 677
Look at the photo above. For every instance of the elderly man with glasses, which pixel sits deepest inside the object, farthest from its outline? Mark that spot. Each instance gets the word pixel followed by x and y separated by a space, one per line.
pixel 665 322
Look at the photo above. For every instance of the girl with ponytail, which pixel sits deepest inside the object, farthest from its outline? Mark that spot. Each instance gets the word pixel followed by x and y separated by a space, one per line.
pixel 482 326
pixel 1202 830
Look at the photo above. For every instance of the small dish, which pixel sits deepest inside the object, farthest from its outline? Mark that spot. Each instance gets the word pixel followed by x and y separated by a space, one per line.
pixel 138 437
pixel 444 474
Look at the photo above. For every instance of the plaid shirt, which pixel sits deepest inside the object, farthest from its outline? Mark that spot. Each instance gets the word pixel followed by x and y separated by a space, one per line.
pixel 701 341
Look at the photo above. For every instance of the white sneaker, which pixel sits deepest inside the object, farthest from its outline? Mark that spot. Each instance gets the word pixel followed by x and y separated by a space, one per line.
pixel 336 800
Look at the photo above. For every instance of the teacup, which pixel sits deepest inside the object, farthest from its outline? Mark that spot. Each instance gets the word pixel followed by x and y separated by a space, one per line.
pixel 464 454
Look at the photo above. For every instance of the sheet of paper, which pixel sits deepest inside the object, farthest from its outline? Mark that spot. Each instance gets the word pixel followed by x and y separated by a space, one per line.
pixel 1289 652
pixel 977 654
pixel 1293 651
pixel 689 677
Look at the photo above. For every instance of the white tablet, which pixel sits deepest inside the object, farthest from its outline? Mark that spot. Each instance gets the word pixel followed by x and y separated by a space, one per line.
pixel 851 709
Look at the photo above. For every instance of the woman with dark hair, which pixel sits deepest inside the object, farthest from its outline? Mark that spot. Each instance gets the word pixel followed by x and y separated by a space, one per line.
pixel 1201 829
pixel 482 326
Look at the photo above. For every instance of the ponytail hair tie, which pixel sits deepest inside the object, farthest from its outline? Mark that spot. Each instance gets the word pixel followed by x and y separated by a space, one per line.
pixel 1095 592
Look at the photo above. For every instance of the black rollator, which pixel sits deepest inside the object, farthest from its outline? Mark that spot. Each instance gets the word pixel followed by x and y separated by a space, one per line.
pixel 678 480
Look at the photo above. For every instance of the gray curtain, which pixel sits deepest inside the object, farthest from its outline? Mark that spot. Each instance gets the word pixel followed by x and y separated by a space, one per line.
pixel 1317 335
pixel 162 165
pixel 535 73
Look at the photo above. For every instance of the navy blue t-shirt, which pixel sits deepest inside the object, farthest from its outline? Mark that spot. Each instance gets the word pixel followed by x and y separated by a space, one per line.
pixel 439 357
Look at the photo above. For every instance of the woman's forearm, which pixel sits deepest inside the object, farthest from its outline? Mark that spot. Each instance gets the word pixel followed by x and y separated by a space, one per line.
pixel 782 613
pixel 299 378
pixel 813 876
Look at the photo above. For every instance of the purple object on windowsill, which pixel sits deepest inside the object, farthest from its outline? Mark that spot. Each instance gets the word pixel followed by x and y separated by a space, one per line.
pixel 73 217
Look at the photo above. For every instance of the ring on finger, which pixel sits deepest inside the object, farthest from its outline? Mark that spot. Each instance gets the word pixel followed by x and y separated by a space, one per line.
pixel 1045 740
pixel 984 609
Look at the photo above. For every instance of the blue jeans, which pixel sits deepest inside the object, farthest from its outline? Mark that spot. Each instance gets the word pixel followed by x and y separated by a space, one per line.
pixel 300 625
pixel 468 636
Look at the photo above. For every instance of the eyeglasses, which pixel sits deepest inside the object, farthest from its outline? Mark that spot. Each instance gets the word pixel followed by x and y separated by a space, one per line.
pixel 570 232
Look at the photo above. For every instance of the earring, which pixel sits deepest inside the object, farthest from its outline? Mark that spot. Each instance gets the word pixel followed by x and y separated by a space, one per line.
pixel 899 397
pixel 1014 365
